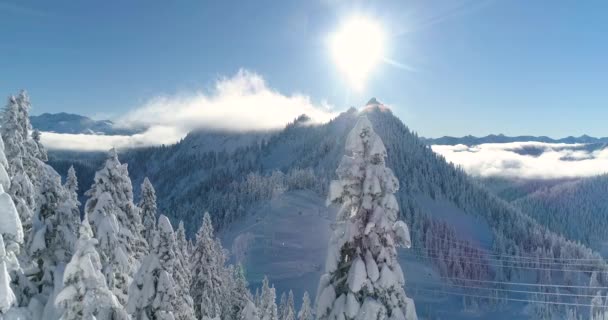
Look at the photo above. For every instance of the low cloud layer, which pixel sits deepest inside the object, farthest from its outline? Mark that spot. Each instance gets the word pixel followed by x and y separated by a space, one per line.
pixel 528 159
pixel 241 102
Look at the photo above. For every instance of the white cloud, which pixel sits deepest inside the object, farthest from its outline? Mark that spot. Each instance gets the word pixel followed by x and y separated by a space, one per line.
pixel 241 102
pixel 527 159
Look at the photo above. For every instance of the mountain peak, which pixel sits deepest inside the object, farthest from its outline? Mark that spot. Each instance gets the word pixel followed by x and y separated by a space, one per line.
pixel 373 101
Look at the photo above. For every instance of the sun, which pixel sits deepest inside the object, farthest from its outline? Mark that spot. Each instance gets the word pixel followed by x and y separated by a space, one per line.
pixel 356 48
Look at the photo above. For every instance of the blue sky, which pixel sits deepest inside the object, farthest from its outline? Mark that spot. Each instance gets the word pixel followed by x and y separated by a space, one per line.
pixel 479 67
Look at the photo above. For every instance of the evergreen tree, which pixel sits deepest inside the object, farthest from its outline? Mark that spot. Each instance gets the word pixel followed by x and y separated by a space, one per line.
pixel 239 296
pixel 363 277
pixel 305 311
pixel 85 294
pixel 116 224
pixel 153 294
pixel 55 223
pixel 71 184
pixel 282 306
pixel 289 313
pixel 268 305
pixel 148 210
pixel 183 253
pixel 208 283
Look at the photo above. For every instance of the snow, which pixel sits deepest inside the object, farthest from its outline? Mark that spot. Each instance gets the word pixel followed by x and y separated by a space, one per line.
pixel 403 234
pixel 7 297
pixel 357 275
pixel 10 223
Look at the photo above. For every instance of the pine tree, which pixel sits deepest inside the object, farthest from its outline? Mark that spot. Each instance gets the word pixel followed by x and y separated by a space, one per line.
pixel 54 229
pixel 305 311
pixel 363 276
pixel 289 313
pixel 268 305
pixel 23 157
pixel 282 306
pixel 71 184
pixel 183 253
pixel 208 283
pixel 7 297
pixel 148 210
pixel 239 296
pixel 116 224
pixel 85 294
pixel 153 294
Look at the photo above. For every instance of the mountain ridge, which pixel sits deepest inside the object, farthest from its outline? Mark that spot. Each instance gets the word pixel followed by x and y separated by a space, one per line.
pixel 71 123
pixel 470 140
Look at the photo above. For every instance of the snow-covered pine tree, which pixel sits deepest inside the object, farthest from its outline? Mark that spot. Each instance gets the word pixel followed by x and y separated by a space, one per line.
pixel 289 313
pixel 282 306
pixel 148 209
pixel 22 189
pixel 7 297
pixel 208 282
pixel 183 253
pixel 116 224
pixel 85 294
pixel 11 230
pixel 40 150
pixel 54 228
pixel 363 279
pixel 71 184
pixel 153 294
pixel 306 310
pixel 267 309
pixel 239 297
pixel 250 312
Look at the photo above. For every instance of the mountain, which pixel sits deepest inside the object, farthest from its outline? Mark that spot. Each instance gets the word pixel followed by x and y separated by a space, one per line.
pixel 267 195
pixel 500 138
pixel 77 124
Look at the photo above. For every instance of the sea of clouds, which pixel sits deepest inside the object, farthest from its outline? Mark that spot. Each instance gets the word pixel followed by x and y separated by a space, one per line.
pixel 536 160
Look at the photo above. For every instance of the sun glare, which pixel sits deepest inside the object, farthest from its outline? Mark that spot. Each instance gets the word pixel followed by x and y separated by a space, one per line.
pixel 356 48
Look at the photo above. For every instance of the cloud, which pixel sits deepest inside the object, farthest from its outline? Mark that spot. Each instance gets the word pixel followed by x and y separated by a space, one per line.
pixel 528 159
pixel 241 102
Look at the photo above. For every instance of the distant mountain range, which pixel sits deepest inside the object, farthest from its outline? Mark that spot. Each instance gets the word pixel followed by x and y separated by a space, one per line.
pixel 77 124
pixel 500 138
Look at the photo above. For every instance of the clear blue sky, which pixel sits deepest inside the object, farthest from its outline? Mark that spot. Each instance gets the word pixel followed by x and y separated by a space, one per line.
pixel 480 67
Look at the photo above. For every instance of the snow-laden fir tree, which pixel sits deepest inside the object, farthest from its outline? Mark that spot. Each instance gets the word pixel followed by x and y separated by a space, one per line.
pixel 153 294
pixel 282 305
pixel 289 312
pixel 208 281
pixel 71 183
pixel 116 225
pixel 148 208
pixel 7 297
pixel 250 312
pixel 363 279
pixel 113 179
pixel 306 309
pixel 183 253
pixel 54 230
pixel 239 300
pixel 267 310
pixel 85 294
